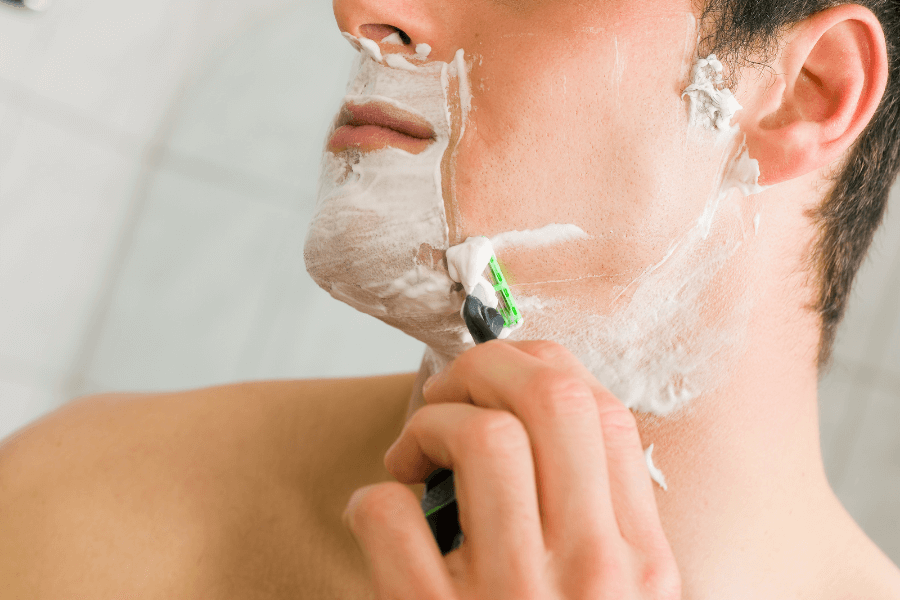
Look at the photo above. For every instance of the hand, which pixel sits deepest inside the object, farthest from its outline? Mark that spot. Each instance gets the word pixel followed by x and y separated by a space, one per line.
pixel 554 496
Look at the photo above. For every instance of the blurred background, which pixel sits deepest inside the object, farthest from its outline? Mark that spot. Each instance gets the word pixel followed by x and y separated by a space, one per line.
pixel 158 168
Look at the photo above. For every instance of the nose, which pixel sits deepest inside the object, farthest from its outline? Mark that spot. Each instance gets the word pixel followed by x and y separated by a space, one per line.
pixel 414 22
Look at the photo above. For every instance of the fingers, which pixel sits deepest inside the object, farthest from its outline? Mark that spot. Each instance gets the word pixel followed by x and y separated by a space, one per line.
pixel 490 455
pixel 594 452
pixel 631 487
pixel 405 563
pixel 561 417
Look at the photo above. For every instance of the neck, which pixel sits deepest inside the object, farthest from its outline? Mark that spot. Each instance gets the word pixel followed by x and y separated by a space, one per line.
pixel 749 512
pixel 746 484
pixel 747 490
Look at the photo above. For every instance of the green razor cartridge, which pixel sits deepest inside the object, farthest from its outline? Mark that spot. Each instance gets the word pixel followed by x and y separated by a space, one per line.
pixel 506 305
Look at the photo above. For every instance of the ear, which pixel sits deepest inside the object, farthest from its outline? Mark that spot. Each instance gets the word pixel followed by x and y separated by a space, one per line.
pixel 832 73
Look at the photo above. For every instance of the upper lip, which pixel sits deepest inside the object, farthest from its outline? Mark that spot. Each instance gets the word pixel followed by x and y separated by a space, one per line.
pixel 385 115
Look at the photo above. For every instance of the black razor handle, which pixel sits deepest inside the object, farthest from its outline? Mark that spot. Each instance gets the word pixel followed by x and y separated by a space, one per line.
pixel 439 500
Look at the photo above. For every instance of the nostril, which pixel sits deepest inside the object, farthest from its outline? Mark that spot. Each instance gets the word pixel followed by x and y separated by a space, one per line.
pixel 377 32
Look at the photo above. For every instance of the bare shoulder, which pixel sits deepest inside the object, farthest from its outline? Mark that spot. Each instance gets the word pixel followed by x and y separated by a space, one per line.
pixel 876 576
pixel 868 573
pixel 854 566
pixel 205 493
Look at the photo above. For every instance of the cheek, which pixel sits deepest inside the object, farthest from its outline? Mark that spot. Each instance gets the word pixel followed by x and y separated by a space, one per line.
pixel 598 140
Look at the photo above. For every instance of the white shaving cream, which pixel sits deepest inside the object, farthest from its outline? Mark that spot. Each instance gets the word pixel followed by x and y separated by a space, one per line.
pixel 553 233
pixel 467 264
pixel 655 473
pixel 394 39
pixel 398 62
pixel 658 349
pixel 527 303
pixel 364 45
pixel 711 107
pixel 422 51
pixel 380 233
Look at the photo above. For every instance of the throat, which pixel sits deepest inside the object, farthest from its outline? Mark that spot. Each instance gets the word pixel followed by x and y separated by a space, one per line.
pixel 747 490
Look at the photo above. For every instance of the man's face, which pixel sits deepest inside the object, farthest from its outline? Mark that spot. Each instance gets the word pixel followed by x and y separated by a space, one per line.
pixel 576 117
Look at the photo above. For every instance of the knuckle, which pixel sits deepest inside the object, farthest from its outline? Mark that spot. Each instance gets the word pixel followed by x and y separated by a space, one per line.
pixel 618 421
pixel 606 578
pixel 556 393
pixel 474 357
pixel 547 351
pixel 421 424
pixel 597 556
pixel 524 587
pixel 421 414
pixel 662 580
pixel 495 429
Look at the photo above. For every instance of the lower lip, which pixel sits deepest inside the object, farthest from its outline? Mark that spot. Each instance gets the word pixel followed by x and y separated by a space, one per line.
pixel 367 138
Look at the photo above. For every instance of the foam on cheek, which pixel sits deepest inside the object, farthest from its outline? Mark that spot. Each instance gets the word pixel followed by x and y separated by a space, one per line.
pixel 380 234
pixel 663 344
pixel 554 233
pixel 465 94
pixel 712 108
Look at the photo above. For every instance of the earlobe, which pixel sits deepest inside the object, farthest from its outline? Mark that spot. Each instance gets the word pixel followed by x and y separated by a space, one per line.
pixel 832 73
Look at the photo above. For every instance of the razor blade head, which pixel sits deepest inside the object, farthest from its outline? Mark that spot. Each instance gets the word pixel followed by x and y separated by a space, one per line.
pixel 506 304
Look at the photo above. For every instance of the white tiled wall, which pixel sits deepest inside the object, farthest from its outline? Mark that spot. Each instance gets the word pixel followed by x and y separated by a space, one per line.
pixel 158 164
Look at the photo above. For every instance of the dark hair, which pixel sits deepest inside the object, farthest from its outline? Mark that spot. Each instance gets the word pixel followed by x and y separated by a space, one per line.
pixel 746 32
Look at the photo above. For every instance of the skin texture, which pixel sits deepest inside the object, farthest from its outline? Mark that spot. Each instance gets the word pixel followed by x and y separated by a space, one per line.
pixel 577 117
pixel 574 516
pixel 238 491
pixel 227 492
